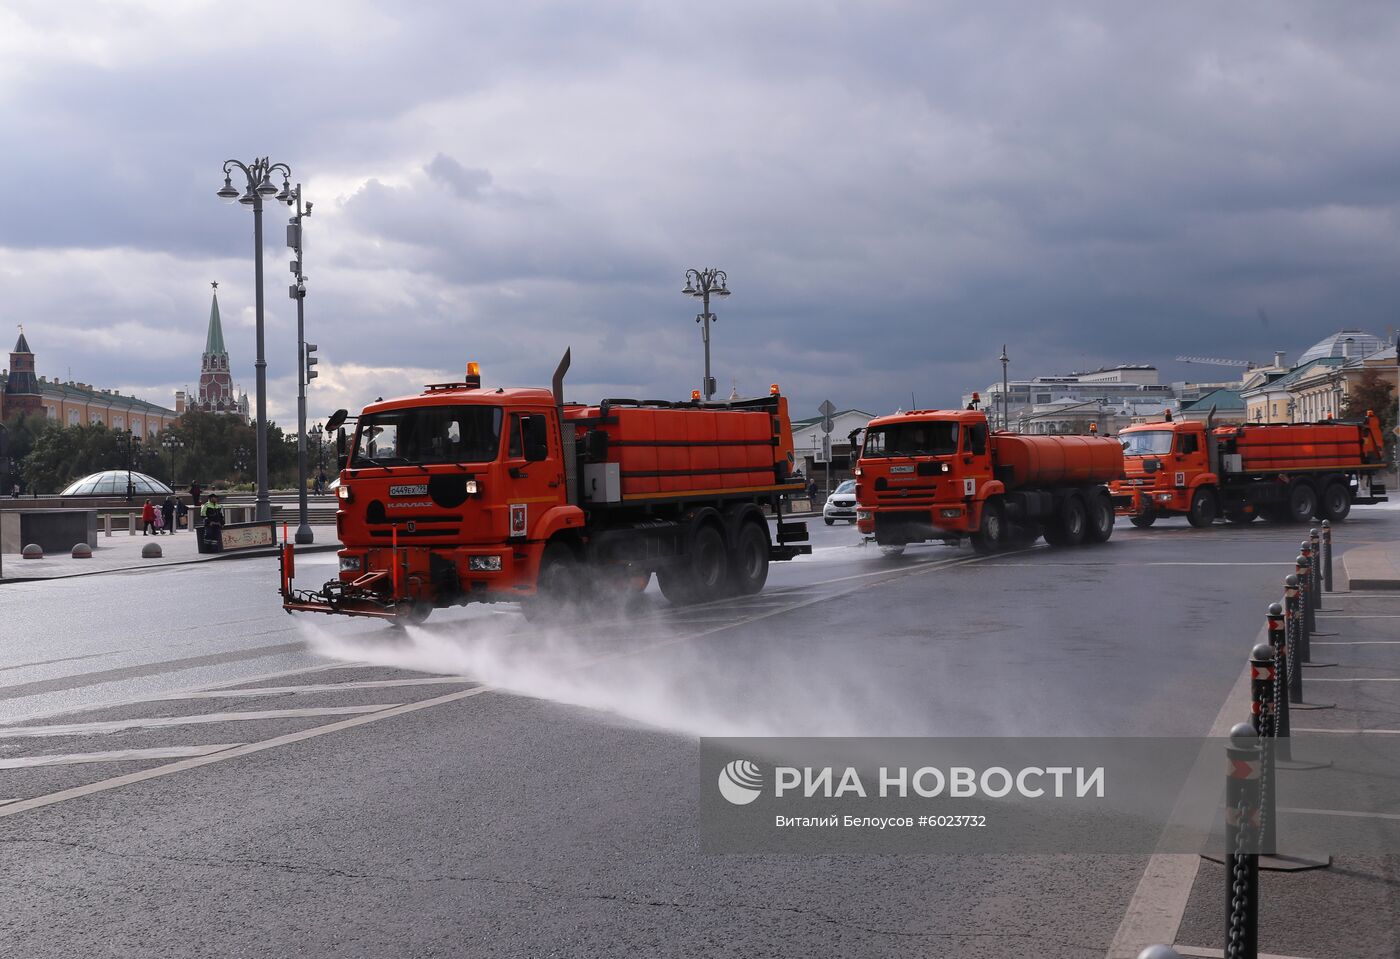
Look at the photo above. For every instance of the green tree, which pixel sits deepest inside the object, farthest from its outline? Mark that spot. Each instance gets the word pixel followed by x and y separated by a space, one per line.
pixel 62 454
pixel 1372 393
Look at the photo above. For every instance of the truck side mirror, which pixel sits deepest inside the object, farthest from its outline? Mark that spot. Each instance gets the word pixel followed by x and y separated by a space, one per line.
pixel 340 445
pixel 536 438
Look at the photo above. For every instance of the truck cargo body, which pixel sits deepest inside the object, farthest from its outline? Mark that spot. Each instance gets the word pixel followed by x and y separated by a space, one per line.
pixel 942 474
pixel 468 495
pixel 1292 472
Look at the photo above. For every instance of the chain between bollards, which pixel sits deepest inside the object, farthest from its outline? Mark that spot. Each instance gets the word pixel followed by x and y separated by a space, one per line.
pixel 1305 620
pixel 1242 771
pixel 1283 676
pixel 1263 708
pixel 1315 558
pixel 1293 629
pixel 1327 555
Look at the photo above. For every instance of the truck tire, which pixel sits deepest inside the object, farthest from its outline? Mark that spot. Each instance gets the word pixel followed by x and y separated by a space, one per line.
pixel 1100 525
pixel 1302 502
pixel 1068 527
pixel 991 531
pixel 1336 503
pixel 748 563
pixel 1143 520
pixel 1203 508
pixel 557 589
pixel 702 574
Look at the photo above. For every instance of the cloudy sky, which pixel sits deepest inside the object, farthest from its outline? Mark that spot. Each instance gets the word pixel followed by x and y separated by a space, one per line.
pixel 893 188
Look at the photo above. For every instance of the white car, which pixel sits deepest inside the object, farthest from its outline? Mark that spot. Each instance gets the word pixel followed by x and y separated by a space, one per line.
pixel 841 504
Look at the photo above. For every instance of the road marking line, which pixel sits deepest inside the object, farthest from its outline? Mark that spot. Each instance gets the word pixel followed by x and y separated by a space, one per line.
pixel 1348 813
pixel 5 802
pixel 319 688
pixel 1359 642
pixel 114 756
pixel 1204 952
pixel 1362 615
pixel 1345 732
pixel 1353 679
pixel 24 805
pixel 160 722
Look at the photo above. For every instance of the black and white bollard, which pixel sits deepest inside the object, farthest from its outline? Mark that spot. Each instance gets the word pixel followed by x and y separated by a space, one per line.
pixel 1242 769
pixel 1314 555
pixel 1263 684
pixel 1327 555
pixel 1305 613
pixel 1290 678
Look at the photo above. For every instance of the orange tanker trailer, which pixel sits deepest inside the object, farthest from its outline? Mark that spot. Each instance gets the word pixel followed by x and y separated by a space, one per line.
pixel 942 474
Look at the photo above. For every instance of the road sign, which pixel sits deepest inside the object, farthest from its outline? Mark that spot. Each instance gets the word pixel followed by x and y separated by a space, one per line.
pixel 826 409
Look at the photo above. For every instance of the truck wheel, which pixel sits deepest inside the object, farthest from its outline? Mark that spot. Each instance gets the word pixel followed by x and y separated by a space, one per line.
pixel 1336 502
pixel 1100 526
pixel 557 591
pixel 1302 502
pixel 748 565
pixel 1067 529
pixel 1203 509
pixel 991 532
pixel 1143 520
pixel 702 573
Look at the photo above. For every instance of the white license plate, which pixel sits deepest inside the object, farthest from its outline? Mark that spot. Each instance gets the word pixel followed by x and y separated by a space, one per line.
pixel 901 469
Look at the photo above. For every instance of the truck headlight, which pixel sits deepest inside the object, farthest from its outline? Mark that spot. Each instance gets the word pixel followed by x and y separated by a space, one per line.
pixel 343 492
pixel 484 564
pixel 1165 497
pixel 950 513
pixel 349 564
pixel 862 514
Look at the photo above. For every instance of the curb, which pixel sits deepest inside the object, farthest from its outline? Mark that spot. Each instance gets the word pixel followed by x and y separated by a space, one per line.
pixel 250 554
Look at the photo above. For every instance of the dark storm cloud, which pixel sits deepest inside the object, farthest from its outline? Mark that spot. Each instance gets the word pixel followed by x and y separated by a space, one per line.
pixel 895 189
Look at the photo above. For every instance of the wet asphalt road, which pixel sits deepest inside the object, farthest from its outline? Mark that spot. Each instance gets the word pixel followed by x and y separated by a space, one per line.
pixel 541 797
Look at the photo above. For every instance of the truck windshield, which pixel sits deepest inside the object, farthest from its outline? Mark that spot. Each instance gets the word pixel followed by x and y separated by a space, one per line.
pixel 928 438
pixel 1147 443
pixel 428 434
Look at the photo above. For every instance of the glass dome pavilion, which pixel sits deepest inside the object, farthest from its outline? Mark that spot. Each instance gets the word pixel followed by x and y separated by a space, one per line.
pixel 113 483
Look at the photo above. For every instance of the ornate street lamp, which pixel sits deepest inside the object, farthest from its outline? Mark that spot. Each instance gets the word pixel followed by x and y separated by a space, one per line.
pixel 240 461
pixel 258 175
pixel 172 443
pixel 701 283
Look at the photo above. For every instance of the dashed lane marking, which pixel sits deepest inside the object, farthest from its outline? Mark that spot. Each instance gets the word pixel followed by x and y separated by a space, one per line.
pixel 1346 813
pixel 112 756
pixel 238 693
pixel 160 722
pixel 1347 732
pixel 24 805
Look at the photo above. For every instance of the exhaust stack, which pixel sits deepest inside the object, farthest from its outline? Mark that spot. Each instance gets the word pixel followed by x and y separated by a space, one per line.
pixel 567 438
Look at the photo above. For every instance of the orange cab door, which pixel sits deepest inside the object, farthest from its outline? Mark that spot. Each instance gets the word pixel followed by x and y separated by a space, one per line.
pixel 533 475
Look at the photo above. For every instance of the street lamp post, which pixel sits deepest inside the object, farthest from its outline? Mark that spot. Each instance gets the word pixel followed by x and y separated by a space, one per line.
pixel 172 443
pixel 319 432
pixel 1005 399
pixel 297 291
pixel 259 185
pixel 133 441
pixel 701 283
pixel 240 461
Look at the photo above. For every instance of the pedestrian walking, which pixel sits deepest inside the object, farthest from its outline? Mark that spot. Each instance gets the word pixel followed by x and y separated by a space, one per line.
pixel 167 510
pixel 182 514
pixel 812 489
pixel 14 491
pixel 195 492
pixel 157 520
pixel 148 518
pixel 321 483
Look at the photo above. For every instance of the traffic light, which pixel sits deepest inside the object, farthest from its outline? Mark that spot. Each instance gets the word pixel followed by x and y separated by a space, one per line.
pixel 311 362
